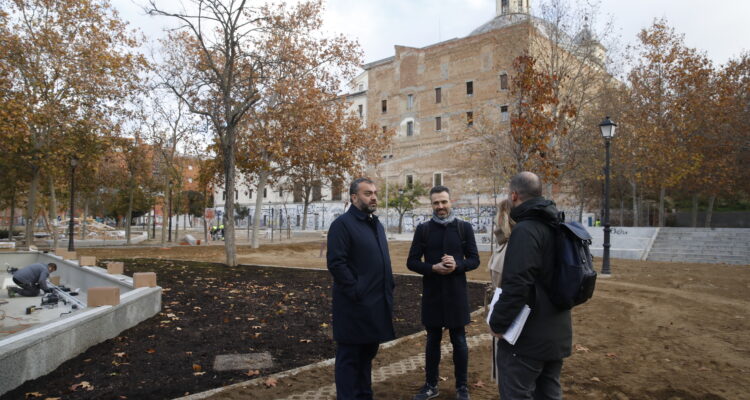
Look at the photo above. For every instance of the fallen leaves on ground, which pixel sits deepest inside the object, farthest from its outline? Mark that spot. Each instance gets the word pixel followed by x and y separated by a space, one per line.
pixel 479 384
pixel 582 348
pixel 32 395
pixel 271 382
pixel 83 385
pixel 252 372
pixel 196 367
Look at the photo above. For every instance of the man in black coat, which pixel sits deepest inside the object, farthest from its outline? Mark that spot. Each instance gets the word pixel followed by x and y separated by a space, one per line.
pixel 363 285
pixel 530 369
pixel 443 250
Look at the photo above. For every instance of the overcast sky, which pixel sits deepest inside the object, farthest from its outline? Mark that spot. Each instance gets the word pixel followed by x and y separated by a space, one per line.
pixel 719 27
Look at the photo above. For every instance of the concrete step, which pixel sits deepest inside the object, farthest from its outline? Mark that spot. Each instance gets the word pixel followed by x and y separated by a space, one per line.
pixel 739 260
pixel 699 251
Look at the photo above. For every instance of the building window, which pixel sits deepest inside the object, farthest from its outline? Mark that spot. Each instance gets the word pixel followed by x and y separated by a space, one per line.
pixel 410 128
pixel 281 192
pixel 317 191
pixel 469 88
pixel 360 108
pixel 384 106
pixel 469 118
pixel 361 87
pixel 236 194
pixel 224 195
pixel 503 113
pixel 385 129
pixel 409 181
pixel 503 81
pixel 438 123
pixel 250 193
pixel 438 95
pixel 437 179
pixel 190 180
pixel 265 192
pixel 409 101
pixel 336 189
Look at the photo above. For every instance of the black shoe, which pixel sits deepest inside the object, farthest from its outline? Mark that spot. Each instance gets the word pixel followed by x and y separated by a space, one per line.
pixel 427 392
pixel 462 393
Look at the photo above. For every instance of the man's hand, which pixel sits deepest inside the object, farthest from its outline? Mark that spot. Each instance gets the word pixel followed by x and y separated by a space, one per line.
pixel 497 335
pixel 441 269
pixel 449 262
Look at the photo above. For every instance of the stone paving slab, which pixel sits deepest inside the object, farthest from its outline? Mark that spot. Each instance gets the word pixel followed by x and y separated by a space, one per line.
pixel 236 362
pixel 389 371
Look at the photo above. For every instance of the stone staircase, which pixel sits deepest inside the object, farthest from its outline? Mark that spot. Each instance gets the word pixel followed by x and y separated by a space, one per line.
pixel 702 245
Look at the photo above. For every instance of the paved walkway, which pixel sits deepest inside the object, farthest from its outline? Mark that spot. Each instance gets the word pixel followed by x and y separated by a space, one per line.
pixel 389 371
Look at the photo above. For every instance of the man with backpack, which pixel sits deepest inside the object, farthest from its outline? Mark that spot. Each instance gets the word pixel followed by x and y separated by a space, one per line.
pixel 530 369
pixel 442 251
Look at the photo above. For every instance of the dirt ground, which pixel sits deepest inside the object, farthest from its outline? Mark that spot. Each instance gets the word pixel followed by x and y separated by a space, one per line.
pixel 653 330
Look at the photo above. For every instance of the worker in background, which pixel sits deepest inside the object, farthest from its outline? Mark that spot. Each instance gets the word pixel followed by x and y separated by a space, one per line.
pixel 30 279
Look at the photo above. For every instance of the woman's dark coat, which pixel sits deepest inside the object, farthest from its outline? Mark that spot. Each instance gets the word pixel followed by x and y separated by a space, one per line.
pixel 363 283
pixel 445 301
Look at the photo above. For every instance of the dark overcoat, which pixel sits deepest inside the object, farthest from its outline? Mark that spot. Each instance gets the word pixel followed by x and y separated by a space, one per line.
pixel 363 283
pixel 528 270
pixel 445 302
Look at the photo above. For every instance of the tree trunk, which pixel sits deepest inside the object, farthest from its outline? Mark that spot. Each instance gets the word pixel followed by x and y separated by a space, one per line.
pixel 31 207
pixel 164 216
pixel 205 222
pixel 53 212
pixel 622 210
pixel 258 207
pixel 129 215
pixel 400 222
pixel 662 195
pixel 12 215
pixel 580 209
pixel 176 236
pixel 635 204
pixel 228 148
pixel 710 210
pixel 84 217
pixel 694 212
pixel 304 213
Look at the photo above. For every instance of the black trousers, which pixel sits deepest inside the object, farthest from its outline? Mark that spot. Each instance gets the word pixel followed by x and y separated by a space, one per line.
pixel 354 370
pixel 460 355
pixel 523 378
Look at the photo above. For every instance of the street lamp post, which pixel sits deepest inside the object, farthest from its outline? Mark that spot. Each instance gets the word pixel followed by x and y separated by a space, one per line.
pixel 607 128
pixel 71 229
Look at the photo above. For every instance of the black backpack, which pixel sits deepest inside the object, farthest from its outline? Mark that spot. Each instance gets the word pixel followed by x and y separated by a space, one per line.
pixel 574 277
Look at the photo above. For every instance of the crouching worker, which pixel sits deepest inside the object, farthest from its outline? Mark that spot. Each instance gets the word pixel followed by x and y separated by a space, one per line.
pixel 31 278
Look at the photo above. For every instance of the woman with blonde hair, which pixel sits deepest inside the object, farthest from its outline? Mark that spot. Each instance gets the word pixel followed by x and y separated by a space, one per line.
pixel 502 234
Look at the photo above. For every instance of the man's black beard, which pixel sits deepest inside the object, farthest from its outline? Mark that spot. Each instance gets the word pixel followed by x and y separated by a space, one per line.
pixel 365 208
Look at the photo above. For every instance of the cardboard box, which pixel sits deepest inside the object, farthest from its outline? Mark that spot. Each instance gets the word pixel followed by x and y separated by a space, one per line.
pixel 55 280
pixel 144 279
pixel 116 267
pixel 87 260
pixel 103 296
pixel 70 255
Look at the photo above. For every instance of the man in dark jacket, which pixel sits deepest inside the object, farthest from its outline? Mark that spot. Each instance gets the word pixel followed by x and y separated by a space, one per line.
pixel 449 250
pixel 31 278
pixel 530 368
pixel 363 285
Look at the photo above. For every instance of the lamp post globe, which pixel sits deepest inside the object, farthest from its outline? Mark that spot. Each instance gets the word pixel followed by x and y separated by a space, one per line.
pixel 607 128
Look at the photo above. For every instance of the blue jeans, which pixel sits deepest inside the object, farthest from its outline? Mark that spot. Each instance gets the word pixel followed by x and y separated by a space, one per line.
pixel 460 355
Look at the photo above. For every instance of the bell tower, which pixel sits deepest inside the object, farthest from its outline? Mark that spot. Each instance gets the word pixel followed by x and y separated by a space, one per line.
pixel 505 7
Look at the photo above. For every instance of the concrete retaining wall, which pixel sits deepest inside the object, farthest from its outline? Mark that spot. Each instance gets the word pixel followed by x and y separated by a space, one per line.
pixel 39 350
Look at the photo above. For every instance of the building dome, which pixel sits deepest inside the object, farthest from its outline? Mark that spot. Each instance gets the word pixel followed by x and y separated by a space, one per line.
pixel 499 22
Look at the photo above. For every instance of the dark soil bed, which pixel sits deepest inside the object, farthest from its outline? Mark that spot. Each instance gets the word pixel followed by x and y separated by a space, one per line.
pixel 209 310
